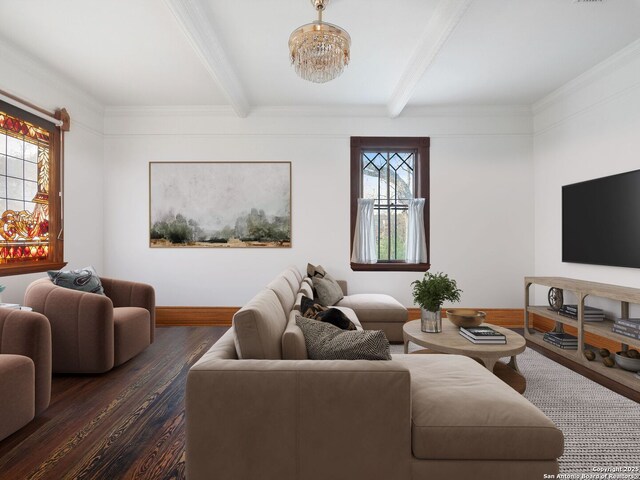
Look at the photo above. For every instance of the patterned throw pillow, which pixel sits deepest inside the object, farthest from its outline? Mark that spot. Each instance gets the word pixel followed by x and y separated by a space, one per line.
pixel 314 310
pixel 84 279
pixel 315 271
pixel 327 290
pixel 327 342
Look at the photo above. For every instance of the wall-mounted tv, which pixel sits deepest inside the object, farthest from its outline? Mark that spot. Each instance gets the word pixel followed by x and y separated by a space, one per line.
pixel 601 221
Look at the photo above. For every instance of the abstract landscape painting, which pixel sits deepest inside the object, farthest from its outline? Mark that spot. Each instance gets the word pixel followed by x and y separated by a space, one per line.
pixel 220 204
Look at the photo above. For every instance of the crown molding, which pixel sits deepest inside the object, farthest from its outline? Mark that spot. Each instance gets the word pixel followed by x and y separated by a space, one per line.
pixel 467 111
pixel 24 62
pixel 320 111
pixel 441 25
pixel 203 39
pixel 600 70
pixel 228 111
pixel 170 111
pixel 257 112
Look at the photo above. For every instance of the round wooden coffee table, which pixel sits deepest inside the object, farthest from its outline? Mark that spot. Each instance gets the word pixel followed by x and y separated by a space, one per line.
pixel 450 341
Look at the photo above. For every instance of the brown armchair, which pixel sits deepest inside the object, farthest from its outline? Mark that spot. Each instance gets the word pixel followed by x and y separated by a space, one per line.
pixel 25 368
pixel 92 333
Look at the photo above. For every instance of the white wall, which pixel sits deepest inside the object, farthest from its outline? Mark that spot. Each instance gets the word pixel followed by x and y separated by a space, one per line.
pixel 482 200
pixel 587 129
pixel 83 183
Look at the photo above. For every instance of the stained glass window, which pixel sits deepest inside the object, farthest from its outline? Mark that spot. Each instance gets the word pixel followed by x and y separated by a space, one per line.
pixel 26 151
pixel 391 171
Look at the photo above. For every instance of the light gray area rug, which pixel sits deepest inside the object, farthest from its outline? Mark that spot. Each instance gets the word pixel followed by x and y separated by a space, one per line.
pixel 601 428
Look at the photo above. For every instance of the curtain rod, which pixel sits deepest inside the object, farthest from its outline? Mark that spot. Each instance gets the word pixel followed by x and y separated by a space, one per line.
pixel 31 108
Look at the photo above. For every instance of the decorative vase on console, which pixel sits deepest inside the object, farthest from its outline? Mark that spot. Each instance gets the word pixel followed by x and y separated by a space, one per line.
pixel 430 293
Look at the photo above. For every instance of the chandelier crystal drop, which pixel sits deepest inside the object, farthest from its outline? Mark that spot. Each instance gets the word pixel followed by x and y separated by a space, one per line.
pixel 319 51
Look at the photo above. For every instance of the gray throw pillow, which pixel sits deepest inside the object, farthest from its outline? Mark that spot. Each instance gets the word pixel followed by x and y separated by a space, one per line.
pixel 313 270
pixel 327 290
pixel 84 279
pixel 328 342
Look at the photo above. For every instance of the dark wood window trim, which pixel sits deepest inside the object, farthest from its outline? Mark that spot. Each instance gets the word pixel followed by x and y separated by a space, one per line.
pixel 421 146
pixel 55 258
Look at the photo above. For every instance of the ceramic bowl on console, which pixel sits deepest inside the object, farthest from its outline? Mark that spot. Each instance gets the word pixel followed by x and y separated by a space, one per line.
pixel 627 363
pixel 466 317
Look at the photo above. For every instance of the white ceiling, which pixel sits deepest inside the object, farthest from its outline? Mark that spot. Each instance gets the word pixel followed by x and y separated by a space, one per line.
pixel 222 52
pixel 517 51
pixel 122 52
pixel 383 35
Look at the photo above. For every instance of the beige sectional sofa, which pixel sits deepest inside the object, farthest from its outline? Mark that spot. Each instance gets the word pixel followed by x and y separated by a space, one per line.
pixel 257 408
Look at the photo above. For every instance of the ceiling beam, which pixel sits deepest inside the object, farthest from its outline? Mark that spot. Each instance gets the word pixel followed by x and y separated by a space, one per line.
pixel 204 40
pixel 442 23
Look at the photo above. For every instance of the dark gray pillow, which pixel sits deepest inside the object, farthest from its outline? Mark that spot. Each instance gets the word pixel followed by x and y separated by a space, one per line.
pixel 327 290
pixel 334 316
pixel 327 342
pixel 84 279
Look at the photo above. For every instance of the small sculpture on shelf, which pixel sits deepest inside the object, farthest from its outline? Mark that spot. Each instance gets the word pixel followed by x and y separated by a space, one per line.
pixel 589 354
pixel 555 298
pixel 605 354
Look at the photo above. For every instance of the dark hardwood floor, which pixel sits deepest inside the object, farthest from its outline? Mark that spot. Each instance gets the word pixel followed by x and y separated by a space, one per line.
pixel 124 424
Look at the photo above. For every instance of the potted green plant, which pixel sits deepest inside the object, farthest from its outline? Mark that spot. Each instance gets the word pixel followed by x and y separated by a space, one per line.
pixel 430 293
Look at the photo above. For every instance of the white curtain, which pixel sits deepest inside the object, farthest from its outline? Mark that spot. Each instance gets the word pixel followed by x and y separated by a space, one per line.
pixel 365 249
pixel 416 251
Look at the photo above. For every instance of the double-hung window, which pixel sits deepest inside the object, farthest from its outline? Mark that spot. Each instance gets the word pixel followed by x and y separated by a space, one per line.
pixel 390 177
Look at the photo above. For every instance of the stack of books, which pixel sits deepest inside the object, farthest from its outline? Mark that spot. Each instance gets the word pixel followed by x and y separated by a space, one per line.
pixel 483 335
pixel 629 327
pixel 591 314
pixel 561 340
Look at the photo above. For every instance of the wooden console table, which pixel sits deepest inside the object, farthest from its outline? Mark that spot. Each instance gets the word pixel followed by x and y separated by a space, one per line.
pixel 583 289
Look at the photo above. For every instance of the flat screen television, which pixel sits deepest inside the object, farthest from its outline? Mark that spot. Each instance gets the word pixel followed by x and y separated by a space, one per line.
pixel 601 221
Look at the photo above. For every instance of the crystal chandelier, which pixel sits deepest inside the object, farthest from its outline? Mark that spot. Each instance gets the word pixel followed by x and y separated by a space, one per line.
pixel 319 51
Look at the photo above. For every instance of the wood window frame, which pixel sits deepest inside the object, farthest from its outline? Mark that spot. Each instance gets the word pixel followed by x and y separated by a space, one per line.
pixel 421 146
pixel 55 258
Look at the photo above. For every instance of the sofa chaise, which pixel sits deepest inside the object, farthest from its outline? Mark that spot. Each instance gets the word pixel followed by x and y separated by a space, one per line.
pixel 257 407
pixel 376 311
